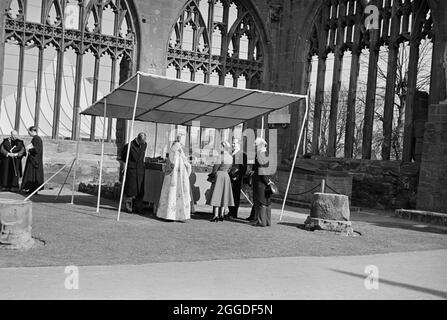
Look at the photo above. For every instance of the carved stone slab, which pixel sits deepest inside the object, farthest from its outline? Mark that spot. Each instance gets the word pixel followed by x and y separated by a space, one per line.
pixel 15 224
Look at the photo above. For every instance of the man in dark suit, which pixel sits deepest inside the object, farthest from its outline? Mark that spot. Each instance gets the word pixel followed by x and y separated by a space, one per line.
pixel 239 168
pixel 134 187
pixel 12 150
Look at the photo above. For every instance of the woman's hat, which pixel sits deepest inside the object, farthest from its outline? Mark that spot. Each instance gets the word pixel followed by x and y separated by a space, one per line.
pixel 225 144
pixel 260 141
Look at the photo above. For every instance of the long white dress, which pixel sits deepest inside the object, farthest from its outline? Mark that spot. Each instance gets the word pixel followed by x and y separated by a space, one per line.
pixel 175 198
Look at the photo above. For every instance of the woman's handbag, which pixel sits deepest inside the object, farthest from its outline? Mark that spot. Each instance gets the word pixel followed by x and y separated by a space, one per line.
pixel 248 178
pixel 234 173
pixel 212 177
pixel 272 188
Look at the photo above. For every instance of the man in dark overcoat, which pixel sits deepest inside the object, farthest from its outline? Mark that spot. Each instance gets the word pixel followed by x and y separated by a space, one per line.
pixel 134 186
pixel 240 168
pixel 33 174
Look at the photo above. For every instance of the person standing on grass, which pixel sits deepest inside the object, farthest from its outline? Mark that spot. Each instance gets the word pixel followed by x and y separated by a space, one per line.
pixel 221 195
pixel 238 169
pixel 134 187
pixel 12 150
pixel 261 192
pixel 33 175
pixel 175 199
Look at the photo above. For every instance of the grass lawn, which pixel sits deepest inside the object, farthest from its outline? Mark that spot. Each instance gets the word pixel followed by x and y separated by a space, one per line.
pixel 76 235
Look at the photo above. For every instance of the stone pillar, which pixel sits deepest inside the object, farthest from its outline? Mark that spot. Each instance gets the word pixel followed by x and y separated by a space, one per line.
pixel 390 94
pixel 352 94
pixel 390 97
pixel 3 8
pixel 321 74
pixel 336 83
pixel 420 117
pixel 333 114
pixel 432 189
pixel 125 70
pixel 319 100
pixel 15 224
pixel 368 123
pixel 408 147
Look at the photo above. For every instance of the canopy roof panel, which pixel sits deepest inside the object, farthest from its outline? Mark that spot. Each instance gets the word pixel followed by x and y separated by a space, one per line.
pixel 174 101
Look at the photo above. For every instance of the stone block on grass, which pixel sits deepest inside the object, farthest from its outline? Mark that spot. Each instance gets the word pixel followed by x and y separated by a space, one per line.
pixel 15 224
pixel 330 206
pixel 330 212
pixel 329 225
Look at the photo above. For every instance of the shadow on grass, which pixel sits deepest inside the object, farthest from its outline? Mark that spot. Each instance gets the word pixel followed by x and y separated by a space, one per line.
pixel 292 224
pixel 79 206
pixel 90 201
pixel 397 223
pixel 300 226
pixel 200 215
pixel 438 293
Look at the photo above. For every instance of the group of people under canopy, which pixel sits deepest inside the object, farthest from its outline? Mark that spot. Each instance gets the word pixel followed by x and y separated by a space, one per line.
pixel 153 98
pixel 229 173
pixel 12 153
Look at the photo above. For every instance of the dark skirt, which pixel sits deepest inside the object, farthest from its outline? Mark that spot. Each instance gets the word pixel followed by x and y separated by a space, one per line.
pixel 221 194
pixel 134 183
pixel 10 172
pixel 32 177
pixel 260 193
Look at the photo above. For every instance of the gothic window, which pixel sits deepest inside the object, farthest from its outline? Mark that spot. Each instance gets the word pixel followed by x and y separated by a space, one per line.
pixel 60 56
pixel 227 30
pixel 216 42
pixel 367 77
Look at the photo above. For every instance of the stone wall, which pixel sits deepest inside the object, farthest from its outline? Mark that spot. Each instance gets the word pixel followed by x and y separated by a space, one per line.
pixel 307 179
pixel 432 192
pixel 372 184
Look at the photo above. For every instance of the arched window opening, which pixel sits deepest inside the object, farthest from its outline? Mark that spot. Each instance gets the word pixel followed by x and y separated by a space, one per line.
pixel 33 10
pixel 50 74
pixel 15 9
pixel 224 50
pixel 366 83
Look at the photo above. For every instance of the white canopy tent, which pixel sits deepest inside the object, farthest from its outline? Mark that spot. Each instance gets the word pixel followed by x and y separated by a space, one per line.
pixel 152 98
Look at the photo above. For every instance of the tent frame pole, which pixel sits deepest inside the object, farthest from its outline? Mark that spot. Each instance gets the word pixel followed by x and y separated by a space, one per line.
pixel 137 92
pixel 74 171
pixel 48 180
pixel 155 139
pixel 294 158
pixel 101 163
pixel 262 127
pixel 66 178
pixel 72 167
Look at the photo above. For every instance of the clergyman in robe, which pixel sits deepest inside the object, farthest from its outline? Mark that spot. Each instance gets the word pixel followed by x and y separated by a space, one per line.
pixel 175 200
pixel 33 174
pixel 12 150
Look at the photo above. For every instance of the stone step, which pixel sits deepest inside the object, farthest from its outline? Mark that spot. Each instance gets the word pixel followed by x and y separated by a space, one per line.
pixel 422 216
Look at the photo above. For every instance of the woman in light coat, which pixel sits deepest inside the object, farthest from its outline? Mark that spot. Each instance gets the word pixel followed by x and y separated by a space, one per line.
pixel 221 194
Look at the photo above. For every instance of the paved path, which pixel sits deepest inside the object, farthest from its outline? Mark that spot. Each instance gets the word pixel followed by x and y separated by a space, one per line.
pixel 409 275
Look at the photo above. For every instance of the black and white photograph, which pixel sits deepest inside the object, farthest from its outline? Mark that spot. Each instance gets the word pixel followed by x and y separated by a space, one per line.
pixel 223 156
